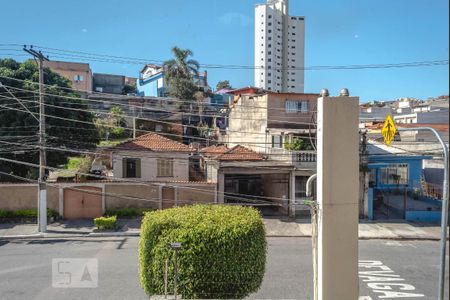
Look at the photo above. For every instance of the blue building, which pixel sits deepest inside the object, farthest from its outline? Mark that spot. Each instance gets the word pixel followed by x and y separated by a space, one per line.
pixel 396 186
pixel 151 82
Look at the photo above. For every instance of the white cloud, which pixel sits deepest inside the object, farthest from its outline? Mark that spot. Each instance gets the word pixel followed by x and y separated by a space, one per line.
pixel 84 30
pixel 234 18
pixel 356 36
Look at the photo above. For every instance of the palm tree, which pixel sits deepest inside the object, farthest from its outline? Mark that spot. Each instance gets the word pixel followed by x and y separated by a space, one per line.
pixel 181 66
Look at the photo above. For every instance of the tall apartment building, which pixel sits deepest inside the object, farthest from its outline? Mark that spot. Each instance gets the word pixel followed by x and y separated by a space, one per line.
pixel 279 48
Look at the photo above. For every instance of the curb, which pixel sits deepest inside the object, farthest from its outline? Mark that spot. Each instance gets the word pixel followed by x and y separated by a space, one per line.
pixel 22 236
pixel 113 234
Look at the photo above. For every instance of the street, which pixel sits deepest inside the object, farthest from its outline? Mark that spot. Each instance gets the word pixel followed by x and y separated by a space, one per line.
pixel 26 271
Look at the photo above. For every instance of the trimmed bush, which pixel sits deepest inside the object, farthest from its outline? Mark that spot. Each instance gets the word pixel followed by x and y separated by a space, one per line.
pixel 127 212
pixel 25 213
pixel 106 222
pixel 223 252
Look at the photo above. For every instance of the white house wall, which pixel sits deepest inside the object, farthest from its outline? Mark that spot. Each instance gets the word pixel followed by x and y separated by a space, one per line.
pixel 149 165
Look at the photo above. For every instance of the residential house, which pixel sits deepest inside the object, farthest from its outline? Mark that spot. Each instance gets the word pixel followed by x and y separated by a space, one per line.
pixel 151 81
pixel 246 177
pixel 397 187
pixel 152 157
pixel 79 74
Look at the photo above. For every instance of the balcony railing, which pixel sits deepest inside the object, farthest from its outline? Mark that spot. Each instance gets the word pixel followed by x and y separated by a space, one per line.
pixel 294 157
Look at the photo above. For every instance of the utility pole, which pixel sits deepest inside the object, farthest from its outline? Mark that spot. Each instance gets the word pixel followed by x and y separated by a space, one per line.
pixel 337 196
pixel 42 188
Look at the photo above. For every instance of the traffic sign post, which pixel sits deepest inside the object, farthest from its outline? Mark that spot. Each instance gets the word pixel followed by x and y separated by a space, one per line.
pixel 389 130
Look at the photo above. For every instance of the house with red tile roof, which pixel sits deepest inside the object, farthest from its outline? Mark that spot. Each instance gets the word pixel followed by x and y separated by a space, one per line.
pixel 152 157
pixel 246 177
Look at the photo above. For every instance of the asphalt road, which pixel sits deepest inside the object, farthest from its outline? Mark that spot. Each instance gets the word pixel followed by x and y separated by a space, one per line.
pixel 26 269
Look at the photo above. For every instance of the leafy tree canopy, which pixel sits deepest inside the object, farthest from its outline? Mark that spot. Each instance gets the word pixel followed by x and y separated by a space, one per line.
pixel 298 144
pixel 20 129
pixel 178 73
pixel 224 84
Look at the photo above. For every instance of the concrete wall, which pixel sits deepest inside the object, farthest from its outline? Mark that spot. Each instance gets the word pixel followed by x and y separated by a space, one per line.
pixel 248 123
pixel 112 84
pixel 24 196
pixel 116 195
pixel 149 193
pixel 196 193
pixel 149 169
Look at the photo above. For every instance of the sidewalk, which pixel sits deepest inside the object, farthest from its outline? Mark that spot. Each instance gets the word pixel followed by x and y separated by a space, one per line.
pixel 275 227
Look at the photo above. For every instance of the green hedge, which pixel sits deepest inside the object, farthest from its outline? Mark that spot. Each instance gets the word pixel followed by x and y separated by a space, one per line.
pixel 25 213
pixel 127 212
pixel 223 251
pixel 106 222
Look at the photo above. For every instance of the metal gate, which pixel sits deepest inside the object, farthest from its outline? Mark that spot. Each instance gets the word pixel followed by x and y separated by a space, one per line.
pixel 83 202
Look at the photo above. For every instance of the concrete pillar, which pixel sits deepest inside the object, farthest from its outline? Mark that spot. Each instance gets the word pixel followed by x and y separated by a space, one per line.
pixel 61 201
pixel 175 195
pixel 160 196
pixel 220 187
pixel 104 198
pixel 337 197
pixel 292 194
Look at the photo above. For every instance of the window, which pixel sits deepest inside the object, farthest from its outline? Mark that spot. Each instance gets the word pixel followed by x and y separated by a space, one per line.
pixel 269 60
pixel 277 141
pixel 165 167
pixel 78 78
pixel 131 168
pixel 270 31
pixel 270 38
pixel 158 128
pixel 395 174
pixel 270 24
pixel 270 16
pixel 296 106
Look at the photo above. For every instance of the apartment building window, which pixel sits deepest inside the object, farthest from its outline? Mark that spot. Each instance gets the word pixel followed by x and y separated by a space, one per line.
pixel 270 38
pixel 395 174
pixel 78 78
pixel 269 60
pixel 165 167
pixel 270 31
pixel 270 16
pixel 131 168
pixel 269 24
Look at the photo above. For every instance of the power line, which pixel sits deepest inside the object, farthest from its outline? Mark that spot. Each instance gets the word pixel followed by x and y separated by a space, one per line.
pixel 131 60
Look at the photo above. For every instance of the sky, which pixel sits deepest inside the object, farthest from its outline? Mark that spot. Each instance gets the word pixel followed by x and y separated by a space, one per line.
pixel 344 32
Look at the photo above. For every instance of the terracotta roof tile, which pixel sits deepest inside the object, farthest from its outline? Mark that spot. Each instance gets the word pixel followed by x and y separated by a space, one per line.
pixel 214 150
pixel 237 153
pixel 154 142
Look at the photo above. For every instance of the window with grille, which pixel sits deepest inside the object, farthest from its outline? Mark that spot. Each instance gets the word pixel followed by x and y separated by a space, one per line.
pixel 297 106
pixel 395 174
pixel 165 167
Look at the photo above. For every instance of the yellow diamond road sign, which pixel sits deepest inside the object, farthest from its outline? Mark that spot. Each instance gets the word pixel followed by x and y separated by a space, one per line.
pixel 388 130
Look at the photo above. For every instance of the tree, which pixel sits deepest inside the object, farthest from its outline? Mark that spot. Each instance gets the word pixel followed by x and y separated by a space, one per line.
pixel 178 74
pixel 20 129
pixel 113 125
pixel 224 84
pixel 129 89
pixel 298 144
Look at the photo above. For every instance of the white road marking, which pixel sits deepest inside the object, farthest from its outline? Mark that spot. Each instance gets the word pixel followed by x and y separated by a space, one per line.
pixel 384 282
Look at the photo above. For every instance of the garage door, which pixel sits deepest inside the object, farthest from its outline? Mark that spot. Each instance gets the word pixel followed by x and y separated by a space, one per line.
pixel 83 202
